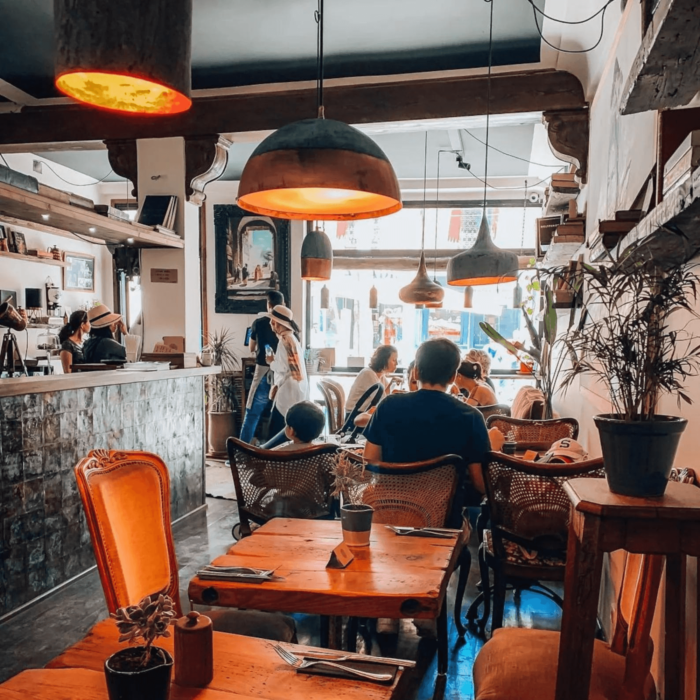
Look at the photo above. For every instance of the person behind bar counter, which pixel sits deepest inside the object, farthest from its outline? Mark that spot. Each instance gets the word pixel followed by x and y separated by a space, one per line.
pixel 101 344
pixel 71 339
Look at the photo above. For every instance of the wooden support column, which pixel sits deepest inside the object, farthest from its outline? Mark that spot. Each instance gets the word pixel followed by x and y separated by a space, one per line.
pixel 567 131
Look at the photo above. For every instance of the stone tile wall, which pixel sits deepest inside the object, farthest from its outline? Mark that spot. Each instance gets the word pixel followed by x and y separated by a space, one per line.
pixel 45 539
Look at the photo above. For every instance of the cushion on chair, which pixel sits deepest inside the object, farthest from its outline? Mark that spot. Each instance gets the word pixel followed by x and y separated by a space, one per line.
pixel 517 554
pixel 253 623
pixel 521 664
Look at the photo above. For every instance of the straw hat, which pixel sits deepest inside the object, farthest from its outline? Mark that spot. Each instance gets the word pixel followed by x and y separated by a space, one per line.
pixel 101 316
pixel 283 316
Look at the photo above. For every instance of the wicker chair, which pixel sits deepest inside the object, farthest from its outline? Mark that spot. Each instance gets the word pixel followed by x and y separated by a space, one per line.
pixel 334 396
pixel 534 432
pixel 280 484
pixel 496 409
pixel 527 539
pixel 421 494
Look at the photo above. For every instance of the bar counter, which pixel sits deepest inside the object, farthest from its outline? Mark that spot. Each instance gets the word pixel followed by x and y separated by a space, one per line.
pixel 48 424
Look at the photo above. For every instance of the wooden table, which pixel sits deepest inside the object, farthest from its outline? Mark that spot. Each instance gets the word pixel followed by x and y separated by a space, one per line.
pixel 394 577
pixel 604 522
pixel 244 669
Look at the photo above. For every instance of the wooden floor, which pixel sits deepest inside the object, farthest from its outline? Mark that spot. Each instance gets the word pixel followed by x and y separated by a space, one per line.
pixel 32 638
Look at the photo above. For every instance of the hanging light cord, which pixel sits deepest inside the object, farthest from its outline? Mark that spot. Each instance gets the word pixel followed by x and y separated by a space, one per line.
pixel 318 16
pixel 522 233
pixel 425 183
pixel 488 103
pixel 437 209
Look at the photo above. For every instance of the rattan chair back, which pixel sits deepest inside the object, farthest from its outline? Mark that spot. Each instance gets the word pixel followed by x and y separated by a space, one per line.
pixel 281 484
pixel 527 502
pixel 497 409
pixel 528 432
pixel 416 494
pixel 334 396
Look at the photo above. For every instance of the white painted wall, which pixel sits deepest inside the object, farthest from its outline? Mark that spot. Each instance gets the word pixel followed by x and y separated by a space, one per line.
pixel 18 275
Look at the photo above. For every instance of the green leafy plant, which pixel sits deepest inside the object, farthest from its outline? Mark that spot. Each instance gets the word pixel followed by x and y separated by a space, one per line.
pixel 625 338
pixel 144 623
pixel 222 396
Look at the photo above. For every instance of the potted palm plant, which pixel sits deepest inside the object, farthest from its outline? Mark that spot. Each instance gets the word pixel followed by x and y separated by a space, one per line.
pixel 222 397
pixel 141 672
pixel 626 340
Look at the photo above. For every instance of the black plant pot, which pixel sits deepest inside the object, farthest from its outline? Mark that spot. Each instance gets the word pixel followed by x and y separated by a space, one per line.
pixel 639 455
pixel 356 521
pixel 149 684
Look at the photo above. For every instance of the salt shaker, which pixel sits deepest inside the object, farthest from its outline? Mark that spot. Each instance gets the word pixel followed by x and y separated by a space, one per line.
pixel 194 652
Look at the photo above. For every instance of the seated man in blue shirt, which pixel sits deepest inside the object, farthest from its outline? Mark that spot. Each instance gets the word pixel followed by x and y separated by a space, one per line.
pixel 428 423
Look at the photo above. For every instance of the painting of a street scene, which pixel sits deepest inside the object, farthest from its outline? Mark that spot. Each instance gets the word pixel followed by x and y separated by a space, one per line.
pixel 252 259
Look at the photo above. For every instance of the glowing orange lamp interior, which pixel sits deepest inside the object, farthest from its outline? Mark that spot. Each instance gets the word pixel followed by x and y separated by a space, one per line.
pixel 122 93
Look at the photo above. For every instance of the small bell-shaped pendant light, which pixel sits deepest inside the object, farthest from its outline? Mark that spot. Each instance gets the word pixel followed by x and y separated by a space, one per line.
pixel 517 295
pixel 316 256
pixel 325 297
pixel 468 297
pixel 422 290
pixel 373 298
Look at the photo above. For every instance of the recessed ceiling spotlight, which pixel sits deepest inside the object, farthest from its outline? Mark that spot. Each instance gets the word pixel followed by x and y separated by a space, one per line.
pixel 45 217
pixel 92 229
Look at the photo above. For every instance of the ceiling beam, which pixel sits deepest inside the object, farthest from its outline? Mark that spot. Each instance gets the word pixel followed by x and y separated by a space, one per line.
pixel 523 91
pixel 14 94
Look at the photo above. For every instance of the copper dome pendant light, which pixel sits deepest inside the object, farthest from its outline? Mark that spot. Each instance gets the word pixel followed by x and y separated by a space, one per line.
pixel 319 168
pixel 129 56
pixel 316 256
pixel 484 262
pixel 422 290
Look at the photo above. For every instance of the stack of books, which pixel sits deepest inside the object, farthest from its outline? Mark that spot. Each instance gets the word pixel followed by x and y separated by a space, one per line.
pixel 571 231
pixel 685 159
pixel 111 212
pixel 158 211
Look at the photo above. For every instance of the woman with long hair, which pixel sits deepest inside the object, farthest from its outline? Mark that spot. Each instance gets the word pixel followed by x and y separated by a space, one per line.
pixel 382 363
pixel 471 385
pixel 71 339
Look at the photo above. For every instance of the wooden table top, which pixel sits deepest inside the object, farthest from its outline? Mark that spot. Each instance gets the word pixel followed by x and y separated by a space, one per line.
pixel 394 577
pixel 245 668
pixel 680 502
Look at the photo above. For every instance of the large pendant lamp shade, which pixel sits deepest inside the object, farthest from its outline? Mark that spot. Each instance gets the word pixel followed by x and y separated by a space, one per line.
pixel 316 256
pixel 125 55
pixel 319 169
pixel 483 263
pixel 422 290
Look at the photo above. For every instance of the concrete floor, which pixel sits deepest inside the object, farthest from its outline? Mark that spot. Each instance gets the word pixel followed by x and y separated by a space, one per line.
pixel 34 637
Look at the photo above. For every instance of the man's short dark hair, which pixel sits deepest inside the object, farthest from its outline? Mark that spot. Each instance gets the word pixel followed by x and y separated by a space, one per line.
pixel 275 299
pixel 306 419
pixel 437 360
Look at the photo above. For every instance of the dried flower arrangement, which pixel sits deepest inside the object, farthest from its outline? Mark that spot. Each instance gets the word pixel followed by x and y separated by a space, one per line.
pixel 144 622
pixel 350 477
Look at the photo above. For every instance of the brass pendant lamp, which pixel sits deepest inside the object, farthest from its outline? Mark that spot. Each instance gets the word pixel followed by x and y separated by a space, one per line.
pixel 127 56
pixel 468 297
pixel 319 168
pixel 484 262
pixel 422 290
pixel 316 256
pixel 373 298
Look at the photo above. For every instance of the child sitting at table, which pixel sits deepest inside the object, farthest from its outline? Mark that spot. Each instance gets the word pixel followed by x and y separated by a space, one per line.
pixel 304 423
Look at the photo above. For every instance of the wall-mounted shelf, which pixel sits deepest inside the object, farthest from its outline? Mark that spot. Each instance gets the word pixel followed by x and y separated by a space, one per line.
pixel 31 258
pixel 32 208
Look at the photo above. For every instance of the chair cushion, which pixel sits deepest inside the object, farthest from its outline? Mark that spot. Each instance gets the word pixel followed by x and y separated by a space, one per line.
pixel 254 623
pixel 521 664
pixel 517 554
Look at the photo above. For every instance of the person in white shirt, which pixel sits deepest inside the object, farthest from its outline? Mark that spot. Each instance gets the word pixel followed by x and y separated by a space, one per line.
pixel 291 384
pixel 382 363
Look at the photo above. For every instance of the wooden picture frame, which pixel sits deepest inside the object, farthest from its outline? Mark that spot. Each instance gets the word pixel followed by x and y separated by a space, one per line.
pixel 252 257
pixel 79 272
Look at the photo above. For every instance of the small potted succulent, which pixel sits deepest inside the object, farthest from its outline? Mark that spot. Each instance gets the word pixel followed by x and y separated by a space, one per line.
pixel 350 481
pixel 141 672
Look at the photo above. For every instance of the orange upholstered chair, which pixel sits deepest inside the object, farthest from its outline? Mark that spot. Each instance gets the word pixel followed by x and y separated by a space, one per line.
pixel 126 496
pixel 522 663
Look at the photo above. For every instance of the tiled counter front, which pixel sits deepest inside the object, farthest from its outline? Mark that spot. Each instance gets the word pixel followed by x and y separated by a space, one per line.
pixel 45 539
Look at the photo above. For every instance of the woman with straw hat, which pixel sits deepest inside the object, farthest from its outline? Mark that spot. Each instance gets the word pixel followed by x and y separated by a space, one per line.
pixel 291 385
pixel 101 344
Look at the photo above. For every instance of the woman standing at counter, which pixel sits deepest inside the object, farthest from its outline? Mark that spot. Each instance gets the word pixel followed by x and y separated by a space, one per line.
pixel 71 339
pixel 101 344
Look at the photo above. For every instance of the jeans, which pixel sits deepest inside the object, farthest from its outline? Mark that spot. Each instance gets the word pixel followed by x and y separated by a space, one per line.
pixel 252 415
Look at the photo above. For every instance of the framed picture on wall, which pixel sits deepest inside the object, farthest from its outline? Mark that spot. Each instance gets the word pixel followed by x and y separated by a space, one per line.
pixel 251 259
pixel 79 272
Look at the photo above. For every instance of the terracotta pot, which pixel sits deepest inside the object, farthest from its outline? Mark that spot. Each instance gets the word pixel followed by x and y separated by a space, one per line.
pixel 638 455
pixel 149 684
pixel 221 427
pixel 356 522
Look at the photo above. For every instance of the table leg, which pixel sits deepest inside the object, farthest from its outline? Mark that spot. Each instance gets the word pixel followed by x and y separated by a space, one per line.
pixel 584 563
pixel 442 643
pixel 674 632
